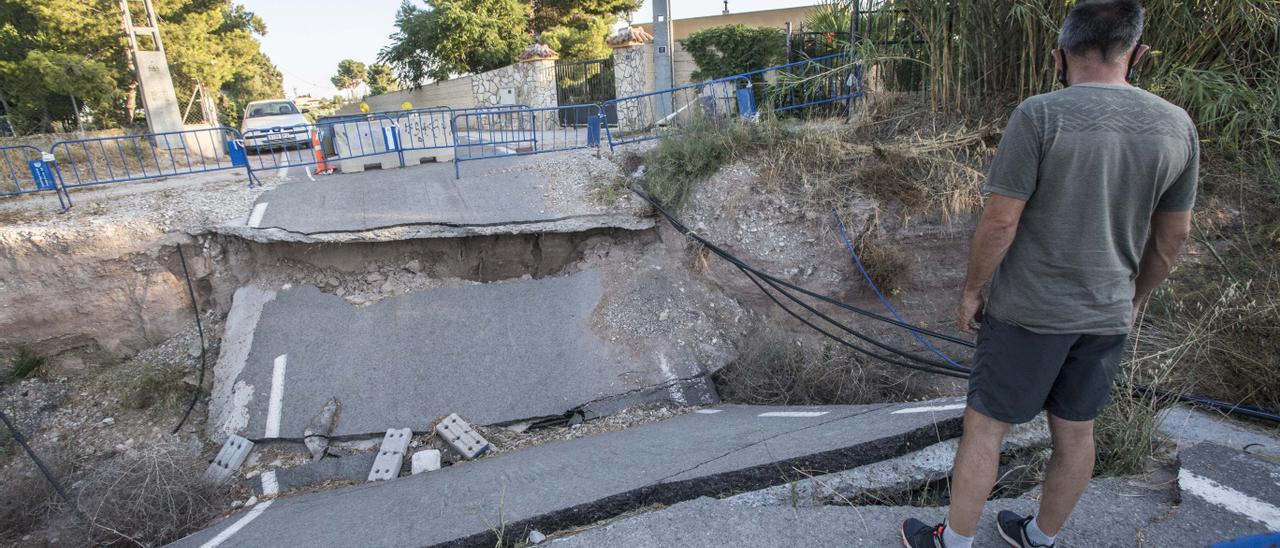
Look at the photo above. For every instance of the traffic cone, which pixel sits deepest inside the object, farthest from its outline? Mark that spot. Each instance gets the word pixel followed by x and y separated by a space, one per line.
pixel 322 167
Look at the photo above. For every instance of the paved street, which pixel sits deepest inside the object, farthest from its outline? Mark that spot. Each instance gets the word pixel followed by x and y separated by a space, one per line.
pixel 716 452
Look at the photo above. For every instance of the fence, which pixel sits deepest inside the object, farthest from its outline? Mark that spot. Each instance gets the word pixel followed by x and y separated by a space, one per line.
pixel 472 134
pixel 655 114
pixel 102 160
pixel 479 135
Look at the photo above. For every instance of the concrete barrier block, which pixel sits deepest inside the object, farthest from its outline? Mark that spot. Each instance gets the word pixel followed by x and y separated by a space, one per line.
pixel 426 460
pixel 391 455
pixel 229 459
pixel 461 438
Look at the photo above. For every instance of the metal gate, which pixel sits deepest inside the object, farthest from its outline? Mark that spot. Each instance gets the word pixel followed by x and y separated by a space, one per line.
pixel 583 83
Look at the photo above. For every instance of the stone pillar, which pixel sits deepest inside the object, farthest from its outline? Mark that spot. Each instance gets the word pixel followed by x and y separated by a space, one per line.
pixel 633 75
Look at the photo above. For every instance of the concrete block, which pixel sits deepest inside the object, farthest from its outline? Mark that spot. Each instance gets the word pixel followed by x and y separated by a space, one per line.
pixel 229 459
pixel 419 157
pixel 391 455
pixel 426 460
pixel 459 435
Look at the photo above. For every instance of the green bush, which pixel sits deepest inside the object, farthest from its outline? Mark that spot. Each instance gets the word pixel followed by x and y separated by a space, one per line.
pixel 735 49
pixel 25 362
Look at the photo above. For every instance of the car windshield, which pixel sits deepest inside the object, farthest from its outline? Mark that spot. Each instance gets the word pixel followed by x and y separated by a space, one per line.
pixel 274 108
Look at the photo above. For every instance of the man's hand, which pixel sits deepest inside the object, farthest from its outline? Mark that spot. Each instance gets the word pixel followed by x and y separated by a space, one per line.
pixel 969 311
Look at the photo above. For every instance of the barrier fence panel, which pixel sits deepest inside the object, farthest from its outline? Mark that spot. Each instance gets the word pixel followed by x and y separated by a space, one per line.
pixel 20 176
pixel 521 131
pixel 101 160
pixel 323 143
pixel 655 114
pixel 827 80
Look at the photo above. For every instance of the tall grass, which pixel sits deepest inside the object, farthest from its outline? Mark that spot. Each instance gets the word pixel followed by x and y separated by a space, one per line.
pixel 1218 60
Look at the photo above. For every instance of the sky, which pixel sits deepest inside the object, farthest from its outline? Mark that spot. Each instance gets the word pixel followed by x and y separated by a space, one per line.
pixel 307 38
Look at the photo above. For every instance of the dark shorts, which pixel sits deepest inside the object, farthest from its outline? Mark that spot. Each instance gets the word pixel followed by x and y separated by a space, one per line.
pixel 1016 373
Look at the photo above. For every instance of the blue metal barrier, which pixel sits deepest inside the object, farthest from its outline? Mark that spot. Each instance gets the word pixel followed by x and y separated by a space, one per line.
pixel 350 138
pixel 830 79
pixel 102 160
pixel 494 133
pixel 19 178
pixel 655 114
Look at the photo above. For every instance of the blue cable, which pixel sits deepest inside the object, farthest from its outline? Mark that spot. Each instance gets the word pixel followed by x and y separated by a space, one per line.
pixel 857 261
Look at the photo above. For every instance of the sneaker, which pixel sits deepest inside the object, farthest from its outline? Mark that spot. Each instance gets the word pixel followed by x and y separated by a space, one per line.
pixel 915 534
pixel 1013 529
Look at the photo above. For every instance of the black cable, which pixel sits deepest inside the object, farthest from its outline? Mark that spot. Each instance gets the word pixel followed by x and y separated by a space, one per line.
pixel 48 476
pixel 195 306
pixel 755 275
pixel 840 340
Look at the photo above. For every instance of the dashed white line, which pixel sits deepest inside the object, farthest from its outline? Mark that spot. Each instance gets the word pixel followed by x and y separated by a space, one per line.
pixel 911 410
pixel 272 429
pixel 283 162
pixel 270 486
pixel 1226 497
pixel 793 414
pixel 255 218
pixel 708 411
pixel 238 525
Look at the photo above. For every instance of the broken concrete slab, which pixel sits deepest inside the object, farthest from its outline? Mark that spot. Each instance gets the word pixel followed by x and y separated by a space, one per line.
pixel 729 450
pixel 900 473
pixel 1113 512
pixel 426 460
pixel 424 202
pixel 411 359
pixel 354 467
pixel 459 436
pixel 228 459
pixel 1188 426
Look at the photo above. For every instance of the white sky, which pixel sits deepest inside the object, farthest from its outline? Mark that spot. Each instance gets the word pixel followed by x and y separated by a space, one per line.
pixel 307 38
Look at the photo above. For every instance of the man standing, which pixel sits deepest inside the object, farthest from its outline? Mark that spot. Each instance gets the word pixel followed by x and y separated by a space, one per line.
pixel 1090 203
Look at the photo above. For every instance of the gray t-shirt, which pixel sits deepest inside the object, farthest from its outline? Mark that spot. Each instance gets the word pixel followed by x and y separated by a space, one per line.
pixel 1093 162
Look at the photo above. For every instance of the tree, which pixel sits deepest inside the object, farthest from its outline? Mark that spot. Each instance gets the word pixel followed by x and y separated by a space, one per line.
pixel 577 29
pixel 210 42
pixel 351 74
pixel 456 37
pixel 735 49
pixel 381 79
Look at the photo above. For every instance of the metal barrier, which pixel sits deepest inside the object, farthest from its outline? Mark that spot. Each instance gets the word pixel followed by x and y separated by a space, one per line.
pixel 655 114
pixel 102 160
pixel 323 143
pixel 830 79
pixel 495 133
pixel 21 176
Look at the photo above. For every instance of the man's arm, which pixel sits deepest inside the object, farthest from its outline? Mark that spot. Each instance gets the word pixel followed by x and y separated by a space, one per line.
pixel 1169 232
pixel 991 241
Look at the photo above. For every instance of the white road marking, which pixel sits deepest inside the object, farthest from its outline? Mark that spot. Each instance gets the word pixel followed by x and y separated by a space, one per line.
pixel 708 411
pixel 238 525
pixel 270 486
pixel 277 397
pixel 255 218
pixel 283 162
pixel 1226 497
pixel 307 170
pixel 911 410
pixel 793 414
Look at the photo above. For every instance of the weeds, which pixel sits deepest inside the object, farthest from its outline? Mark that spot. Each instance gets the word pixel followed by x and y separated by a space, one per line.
pixel 148 499
pixel 25 363
pixel 158 385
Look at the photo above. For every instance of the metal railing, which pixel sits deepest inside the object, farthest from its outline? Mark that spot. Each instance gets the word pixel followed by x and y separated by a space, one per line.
pixel 323 143
pixel 496 133
pixel 830 79
pixel 20 176
pixel 116 159
pixel 659 113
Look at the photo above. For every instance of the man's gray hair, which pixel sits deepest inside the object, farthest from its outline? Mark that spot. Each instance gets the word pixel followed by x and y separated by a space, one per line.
pixel 1105 26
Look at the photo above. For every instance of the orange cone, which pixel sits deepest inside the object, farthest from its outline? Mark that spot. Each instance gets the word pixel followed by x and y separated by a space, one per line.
pixel 321 165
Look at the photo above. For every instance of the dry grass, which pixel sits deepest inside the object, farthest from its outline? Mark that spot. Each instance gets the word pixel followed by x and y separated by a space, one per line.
pixel 28 499
pixel 155 497
pixel 774 368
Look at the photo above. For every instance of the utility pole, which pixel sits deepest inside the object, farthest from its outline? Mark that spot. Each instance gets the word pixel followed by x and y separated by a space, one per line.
pixel 662 66
pixel 152 72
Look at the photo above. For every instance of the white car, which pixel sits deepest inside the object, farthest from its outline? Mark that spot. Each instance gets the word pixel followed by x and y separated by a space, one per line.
pixel 274 124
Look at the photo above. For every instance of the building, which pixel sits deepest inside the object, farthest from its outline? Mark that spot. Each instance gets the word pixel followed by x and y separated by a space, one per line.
pixel 683 64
